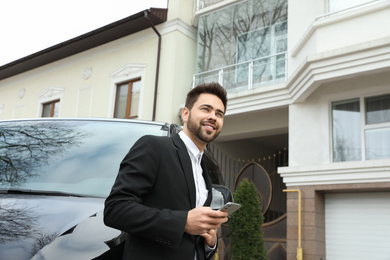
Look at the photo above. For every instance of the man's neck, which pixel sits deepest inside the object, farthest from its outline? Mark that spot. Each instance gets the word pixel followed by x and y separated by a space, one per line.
pixel 200 144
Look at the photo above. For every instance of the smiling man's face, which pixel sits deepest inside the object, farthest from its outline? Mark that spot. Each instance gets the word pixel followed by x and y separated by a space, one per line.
pixel 204 121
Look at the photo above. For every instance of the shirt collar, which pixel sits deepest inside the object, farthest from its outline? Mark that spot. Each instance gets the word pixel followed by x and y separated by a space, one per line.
pixel 191 147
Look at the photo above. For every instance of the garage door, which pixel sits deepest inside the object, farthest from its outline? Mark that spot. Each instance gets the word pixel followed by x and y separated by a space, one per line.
pixel 357 226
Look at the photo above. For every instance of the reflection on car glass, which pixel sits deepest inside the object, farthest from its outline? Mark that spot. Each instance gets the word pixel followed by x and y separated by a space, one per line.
pixel 69 156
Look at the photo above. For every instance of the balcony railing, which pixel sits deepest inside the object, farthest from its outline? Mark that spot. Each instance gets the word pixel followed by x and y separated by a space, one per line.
pixel 251 74
pixel 200 4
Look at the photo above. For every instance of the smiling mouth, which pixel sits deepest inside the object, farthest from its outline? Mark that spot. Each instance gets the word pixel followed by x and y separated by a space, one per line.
pixel 210 127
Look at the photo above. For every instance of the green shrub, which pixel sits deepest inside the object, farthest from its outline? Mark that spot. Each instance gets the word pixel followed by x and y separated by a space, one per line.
pixel 245 224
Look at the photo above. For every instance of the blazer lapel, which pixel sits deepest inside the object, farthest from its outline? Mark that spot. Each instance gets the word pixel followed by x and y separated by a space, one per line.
pixel 187 168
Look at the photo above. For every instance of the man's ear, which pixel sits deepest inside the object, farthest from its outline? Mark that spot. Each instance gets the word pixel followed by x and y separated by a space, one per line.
pixel 184 114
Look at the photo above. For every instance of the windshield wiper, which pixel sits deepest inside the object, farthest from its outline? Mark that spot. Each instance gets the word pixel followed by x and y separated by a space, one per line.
pixel 41 192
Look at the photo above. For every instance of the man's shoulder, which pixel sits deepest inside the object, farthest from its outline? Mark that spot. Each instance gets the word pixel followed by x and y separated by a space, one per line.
pixel 159 143
pixel 155 137
pixel 164 140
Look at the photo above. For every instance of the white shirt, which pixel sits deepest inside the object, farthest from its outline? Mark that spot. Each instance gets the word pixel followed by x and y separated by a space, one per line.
pixel 200 184
pixel 196 158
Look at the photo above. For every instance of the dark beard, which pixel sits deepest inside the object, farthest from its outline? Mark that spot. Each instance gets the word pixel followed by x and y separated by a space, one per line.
pixel 196 130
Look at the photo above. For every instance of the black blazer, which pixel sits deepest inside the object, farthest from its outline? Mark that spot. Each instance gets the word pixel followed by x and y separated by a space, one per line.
pixel 150 199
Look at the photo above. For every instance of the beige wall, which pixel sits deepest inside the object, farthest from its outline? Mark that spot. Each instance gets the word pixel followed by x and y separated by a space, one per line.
pixel 182 9
pixel 176 71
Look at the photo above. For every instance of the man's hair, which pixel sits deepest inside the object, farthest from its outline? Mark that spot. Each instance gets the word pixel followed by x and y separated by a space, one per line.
pixel 209 88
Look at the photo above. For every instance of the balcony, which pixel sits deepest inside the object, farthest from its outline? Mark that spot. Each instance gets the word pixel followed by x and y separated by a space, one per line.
pixel 247 75
pixel 341 33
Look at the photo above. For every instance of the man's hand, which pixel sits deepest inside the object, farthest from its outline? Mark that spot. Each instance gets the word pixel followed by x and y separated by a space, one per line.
pixel 210 238
pixel 204 221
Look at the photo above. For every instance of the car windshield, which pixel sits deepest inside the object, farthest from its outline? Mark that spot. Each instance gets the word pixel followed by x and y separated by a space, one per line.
pixel 65 156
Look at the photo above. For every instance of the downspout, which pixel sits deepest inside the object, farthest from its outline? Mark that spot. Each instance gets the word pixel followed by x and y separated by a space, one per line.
pixel 157 65
pixel 299 249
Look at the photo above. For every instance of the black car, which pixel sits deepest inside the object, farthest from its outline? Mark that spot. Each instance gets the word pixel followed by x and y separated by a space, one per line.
pixel 54 177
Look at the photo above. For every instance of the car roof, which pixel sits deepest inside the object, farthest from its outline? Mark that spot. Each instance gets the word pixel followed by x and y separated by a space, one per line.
pixel 85 119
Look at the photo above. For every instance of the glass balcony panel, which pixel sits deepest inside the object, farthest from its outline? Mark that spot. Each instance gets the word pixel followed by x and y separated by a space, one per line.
pixel 212 76
pixel 248 75
pixel 235 78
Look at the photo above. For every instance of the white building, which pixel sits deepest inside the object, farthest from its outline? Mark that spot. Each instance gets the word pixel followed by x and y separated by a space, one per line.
pixel 308 110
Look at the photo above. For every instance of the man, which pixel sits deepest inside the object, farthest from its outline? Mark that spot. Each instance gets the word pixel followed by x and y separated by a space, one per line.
pixel 162 193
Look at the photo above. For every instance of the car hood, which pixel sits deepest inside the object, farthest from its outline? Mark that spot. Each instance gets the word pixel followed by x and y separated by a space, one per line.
pixel 40 226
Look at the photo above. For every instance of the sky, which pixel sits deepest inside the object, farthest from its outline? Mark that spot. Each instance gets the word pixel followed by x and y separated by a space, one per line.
pixel 29 26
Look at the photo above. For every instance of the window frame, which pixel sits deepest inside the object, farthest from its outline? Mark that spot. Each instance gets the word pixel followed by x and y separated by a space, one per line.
pixel 363 125
pixel 129 98
pixel 52 103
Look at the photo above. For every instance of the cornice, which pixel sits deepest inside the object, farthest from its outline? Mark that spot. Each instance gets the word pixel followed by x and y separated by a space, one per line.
pixel 337 173
pixel 51 92
pixel 178 25
pixel 364 58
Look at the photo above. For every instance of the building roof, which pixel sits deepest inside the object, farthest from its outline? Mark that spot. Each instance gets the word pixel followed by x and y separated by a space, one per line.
pixel 102 35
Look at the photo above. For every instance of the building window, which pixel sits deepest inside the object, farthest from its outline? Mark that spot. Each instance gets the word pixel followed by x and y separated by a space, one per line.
pixel 361 129
pixel 127 99
pixel 50 109
pixel 243 45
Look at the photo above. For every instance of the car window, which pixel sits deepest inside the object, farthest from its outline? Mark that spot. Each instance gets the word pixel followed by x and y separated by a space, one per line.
pixel 79 157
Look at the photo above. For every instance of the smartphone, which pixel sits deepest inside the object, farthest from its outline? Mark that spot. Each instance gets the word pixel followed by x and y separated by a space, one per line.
pixel 230 207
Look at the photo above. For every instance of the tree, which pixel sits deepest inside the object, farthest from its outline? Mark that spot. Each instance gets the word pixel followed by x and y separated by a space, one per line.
pixel 245 224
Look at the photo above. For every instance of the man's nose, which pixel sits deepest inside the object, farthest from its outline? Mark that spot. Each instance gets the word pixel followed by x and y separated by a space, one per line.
pixel 212 116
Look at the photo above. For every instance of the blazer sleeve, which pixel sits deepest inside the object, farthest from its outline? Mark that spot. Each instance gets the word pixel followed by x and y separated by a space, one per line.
pixel 124 208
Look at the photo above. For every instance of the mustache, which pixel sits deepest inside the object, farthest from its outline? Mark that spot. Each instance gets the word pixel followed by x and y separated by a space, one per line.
pixel 210 122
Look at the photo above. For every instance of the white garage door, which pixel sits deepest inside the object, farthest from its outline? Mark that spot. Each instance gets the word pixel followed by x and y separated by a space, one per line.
pixel 357 226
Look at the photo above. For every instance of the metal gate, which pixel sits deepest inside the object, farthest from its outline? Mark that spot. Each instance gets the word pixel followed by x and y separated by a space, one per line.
pixel 262 170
